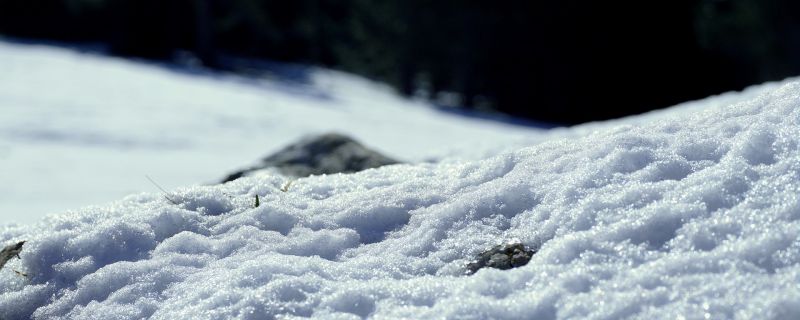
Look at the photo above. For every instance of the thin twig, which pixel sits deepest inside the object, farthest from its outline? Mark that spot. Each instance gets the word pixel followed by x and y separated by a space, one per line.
pixel 162 190
pixel 287 185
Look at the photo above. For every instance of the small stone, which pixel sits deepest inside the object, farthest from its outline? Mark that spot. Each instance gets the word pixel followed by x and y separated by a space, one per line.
pixel 316 155
pixel 505 256
pixel 500 261
pixel 10 251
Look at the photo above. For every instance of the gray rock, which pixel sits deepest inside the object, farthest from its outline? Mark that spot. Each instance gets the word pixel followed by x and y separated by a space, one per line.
pixel 505 256
pixel 9 252
pixel 325 154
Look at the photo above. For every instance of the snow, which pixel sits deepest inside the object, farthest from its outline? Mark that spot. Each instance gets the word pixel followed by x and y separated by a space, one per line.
pixel 81 129
pixel 692 212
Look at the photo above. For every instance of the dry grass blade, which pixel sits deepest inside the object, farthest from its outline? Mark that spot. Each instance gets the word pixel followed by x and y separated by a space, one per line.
pixel 286 186
pixel 166 195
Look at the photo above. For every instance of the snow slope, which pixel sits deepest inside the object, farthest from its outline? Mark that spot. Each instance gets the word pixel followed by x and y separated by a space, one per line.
pixel 691 214
pixel 81 129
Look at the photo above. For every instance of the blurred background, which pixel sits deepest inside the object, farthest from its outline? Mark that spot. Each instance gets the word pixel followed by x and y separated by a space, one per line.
pixel 563 62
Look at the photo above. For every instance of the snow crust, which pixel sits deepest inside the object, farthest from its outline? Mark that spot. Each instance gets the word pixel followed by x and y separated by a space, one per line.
pixel 691 215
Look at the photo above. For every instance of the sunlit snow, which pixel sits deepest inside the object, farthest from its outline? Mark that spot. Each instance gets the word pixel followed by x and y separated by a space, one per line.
pixel 692 212
pixel 79 129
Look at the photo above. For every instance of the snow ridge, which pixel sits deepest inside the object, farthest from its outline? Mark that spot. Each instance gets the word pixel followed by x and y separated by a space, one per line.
pixel 693 216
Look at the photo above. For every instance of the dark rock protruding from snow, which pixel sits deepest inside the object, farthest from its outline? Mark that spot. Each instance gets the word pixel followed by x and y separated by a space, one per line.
pixel 504 256
pixel 9 252
pixel 324 154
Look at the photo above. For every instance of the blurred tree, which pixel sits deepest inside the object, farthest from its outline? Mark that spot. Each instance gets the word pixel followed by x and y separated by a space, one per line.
pixel 760 40
pixel 204 33
pixel 565 61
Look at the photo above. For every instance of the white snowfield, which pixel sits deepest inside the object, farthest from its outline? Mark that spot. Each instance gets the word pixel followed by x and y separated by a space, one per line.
pixel 80 129
pixel 692 213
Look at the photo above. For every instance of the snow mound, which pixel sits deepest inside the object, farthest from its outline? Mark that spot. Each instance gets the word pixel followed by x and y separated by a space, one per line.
pixel 696 216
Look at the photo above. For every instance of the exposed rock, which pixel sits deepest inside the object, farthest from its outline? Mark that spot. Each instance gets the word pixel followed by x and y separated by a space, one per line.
pixel 505 256
pixel 9 252
pixel 325 154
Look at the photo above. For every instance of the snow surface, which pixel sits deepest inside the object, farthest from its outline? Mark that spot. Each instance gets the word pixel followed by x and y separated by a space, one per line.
pixel 80 129
pixel 689 213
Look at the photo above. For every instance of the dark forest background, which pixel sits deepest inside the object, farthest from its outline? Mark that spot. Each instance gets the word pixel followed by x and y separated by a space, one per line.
pixel 562 61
